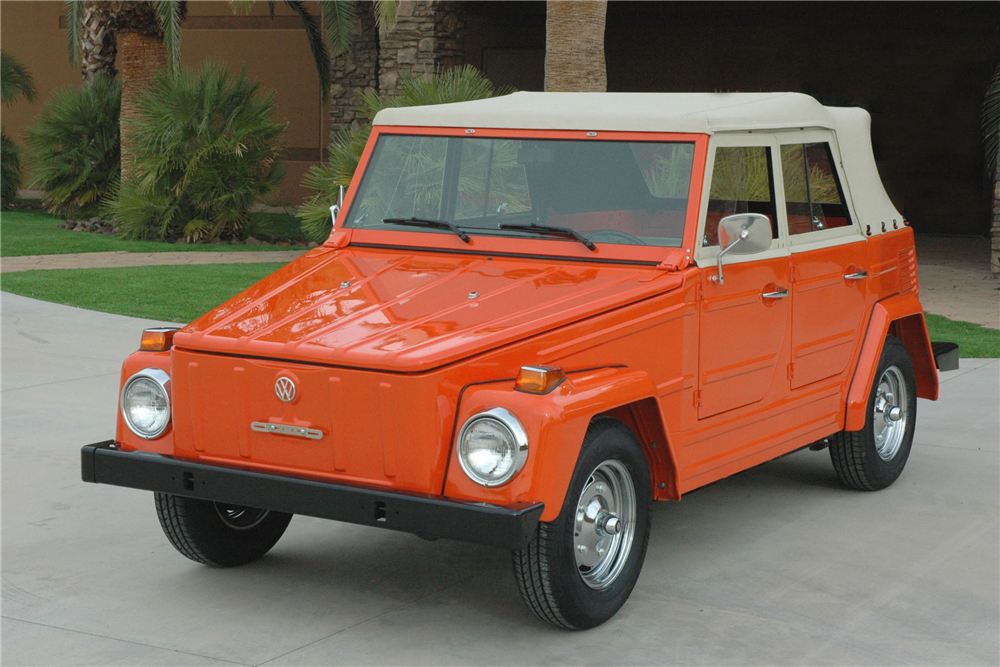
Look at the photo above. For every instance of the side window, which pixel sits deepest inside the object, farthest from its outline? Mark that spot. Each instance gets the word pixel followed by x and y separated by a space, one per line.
pixel 741 183
pixel 814 199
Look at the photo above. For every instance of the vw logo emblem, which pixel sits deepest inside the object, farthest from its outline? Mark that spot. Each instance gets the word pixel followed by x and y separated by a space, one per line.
pixel 285 389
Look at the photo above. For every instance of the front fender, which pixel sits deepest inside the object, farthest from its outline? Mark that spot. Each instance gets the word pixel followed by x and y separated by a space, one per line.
pixel 556 424
pixel 903 317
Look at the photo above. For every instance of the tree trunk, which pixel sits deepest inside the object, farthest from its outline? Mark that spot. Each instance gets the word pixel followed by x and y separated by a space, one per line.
pixel 97 42
pixel 140 59
pixel 995 254
pixel 574 46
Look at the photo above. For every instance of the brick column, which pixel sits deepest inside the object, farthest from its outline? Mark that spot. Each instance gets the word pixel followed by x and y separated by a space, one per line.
pixel 354 71
pixel 426 39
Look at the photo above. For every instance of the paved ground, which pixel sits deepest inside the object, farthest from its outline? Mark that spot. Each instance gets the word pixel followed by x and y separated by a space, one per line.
pixel 955 279
pixel 778 565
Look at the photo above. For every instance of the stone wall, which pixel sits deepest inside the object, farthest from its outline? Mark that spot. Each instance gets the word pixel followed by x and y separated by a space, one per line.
pixel 354 71
pixel 425 39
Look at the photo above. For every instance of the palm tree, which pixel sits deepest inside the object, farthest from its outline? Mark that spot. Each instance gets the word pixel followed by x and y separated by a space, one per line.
pixel 16 82
pixel 991 144
pixel 147 34
pixel 574 46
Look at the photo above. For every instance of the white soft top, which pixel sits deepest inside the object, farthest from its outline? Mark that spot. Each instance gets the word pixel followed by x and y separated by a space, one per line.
pixel 702 113
pixel 705 113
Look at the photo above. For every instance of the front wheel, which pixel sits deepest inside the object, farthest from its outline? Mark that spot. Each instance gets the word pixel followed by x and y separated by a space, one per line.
pixel 217 533
pixel 577 571
pixel 874 457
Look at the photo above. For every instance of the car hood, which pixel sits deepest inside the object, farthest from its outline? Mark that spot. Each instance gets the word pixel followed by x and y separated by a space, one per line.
pixel 407 311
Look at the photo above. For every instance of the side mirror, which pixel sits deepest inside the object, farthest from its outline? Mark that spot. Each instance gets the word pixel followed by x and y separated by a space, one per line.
pixel 742 234
pixel 335 209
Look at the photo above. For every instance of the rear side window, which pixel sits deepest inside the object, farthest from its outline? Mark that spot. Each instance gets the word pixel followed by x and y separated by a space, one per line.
pixel 814 199
pixel 741 183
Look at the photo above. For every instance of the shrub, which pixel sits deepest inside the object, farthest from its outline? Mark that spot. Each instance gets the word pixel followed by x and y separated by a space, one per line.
pixel 207 152
pixel 460 84
pixel 76 147
pixel 15 82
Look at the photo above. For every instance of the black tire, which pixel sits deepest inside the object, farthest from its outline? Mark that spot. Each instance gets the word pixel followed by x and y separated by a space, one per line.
pixel 862 460
pixel 548 575
pixel 218 534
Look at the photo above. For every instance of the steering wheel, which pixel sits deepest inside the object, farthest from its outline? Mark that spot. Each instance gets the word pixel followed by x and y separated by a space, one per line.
pixel 611 235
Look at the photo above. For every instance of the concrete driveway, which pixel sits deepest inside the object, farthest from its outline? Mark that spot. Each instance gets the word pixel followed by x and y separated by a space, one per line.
pixel 778 565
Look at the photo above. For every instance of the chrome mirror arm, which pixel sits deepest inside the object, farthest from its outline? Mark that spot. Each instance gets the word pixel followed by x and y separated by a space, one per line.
pixel 718 278
pixel 335 209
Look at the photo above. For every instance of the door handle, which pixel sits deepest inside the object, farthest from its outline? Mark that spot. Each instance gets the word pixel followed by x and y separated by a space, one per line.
pixel 856 276
pixel 777 294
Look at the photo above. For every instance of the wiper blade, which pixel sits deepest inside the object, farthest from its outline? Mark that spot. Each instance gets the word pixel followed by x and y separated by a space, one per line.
pixel 553 231
pixel 435 224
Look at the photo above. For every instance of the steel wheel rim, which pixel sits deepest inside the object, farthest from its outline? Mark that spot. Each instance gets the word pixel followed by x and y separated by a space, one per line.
pixel 890 414
pixel 239 517
pixel 604 524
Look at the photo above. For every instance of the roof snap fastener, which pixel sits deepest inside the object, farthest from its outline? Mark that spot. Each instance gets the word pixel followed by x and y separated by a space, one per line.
pixel 473 295
pixel 345 284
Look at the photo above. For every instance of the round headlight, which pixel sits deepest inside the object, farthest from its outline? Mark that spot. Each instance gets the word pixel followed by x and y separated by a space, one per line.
pixel 146 403
pixel 492 447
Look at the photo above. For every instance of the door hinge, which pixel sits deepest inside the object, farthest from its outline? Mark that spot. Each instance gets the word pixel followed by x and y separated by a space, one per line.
pixel 791 371
pixel 697 398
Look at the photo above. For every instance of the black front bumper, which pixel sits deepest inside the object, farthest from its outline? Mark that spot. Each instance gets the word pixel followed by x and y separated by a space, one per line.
pixel 432 516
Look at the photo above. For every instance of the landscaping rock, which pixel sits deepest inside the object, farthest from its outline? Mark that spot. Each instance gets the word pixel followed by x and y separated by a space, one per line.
pixel 252 241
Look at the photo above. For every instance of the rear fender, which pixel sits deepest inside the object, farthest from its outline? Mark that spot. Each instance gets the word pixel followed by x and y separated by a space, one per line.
pixel 556 424
pixel 903 317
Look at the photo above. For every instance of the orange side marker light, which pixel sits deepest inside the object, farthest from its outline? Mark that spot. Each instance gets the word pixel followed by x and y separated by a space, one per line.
pixel 539 379
pixel 157 340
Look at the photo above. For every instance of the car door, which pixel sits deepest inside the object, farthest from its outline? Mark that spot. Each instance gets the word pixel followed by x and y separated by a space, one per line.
pixel 744 317
pixel 828 253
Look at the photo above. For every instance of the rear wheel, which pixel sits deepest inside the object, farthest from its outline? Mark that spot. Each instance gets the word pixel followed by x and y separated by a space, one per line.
pixel 577 571
pixel 874 457
pixel 219 534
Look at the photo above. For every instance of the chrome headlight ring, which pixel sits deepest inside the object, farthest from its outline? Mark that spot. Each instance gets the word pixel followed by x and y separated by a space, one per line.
pixel 515 437
pixel 159 381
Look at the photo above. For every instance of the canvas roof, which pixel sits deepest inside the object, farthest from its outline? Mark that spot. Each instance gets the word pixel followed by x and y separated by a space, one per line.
pixel 706 113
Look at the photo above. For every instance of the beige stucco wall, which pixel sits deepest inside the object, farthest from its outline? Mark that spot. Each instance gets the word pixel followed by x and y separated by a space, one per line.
pixel 275 53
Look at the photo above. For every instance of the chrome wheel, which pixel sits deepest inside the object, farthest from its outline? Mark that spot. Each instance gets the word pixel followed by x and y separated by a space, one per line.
pixel 238 517
pixel 889 415
pixel 604 524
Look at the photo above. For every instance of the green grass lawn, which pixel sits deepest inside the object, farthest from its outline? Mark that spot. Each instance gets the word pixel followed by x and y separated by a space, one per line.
pixel 169 293
pixel 35 233
pixel 974 341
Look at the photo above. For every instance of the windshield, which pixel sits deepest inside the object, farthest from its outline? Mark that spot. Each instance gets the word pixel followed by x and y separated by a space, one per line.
pixel 620 192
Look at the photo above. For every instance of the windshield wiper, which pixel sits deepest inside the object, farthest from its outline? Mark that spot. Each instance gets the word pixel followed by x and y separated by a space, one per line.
pixel 435 224
pixel 553 231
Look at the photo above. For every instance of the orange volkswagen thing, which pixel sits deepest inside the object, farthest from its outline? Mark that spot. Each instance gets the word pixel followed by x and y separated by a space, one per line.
pixel 535 315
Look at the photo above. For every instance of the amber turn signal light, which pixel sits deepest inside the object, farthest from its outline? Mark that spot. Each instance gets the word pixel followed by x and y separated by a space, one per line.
pixel 539 379
pixel 157 340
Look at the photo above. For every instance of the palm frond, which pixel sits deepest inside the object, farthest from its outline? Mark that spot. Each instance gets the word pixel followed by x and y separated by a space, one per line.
pixel 991 125
pixel 208 151
pixel 10 170
pixel 76 146
pixel 241 7
pixel 314 35
pixel 338 24
pixel 169 15
pixel 15 79
pixel 74 19
pixel 385 15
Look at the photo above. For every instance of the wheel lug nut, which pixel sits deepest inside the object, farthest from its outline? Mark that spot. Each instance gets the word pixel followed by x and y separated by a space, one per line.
pixel 582 548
